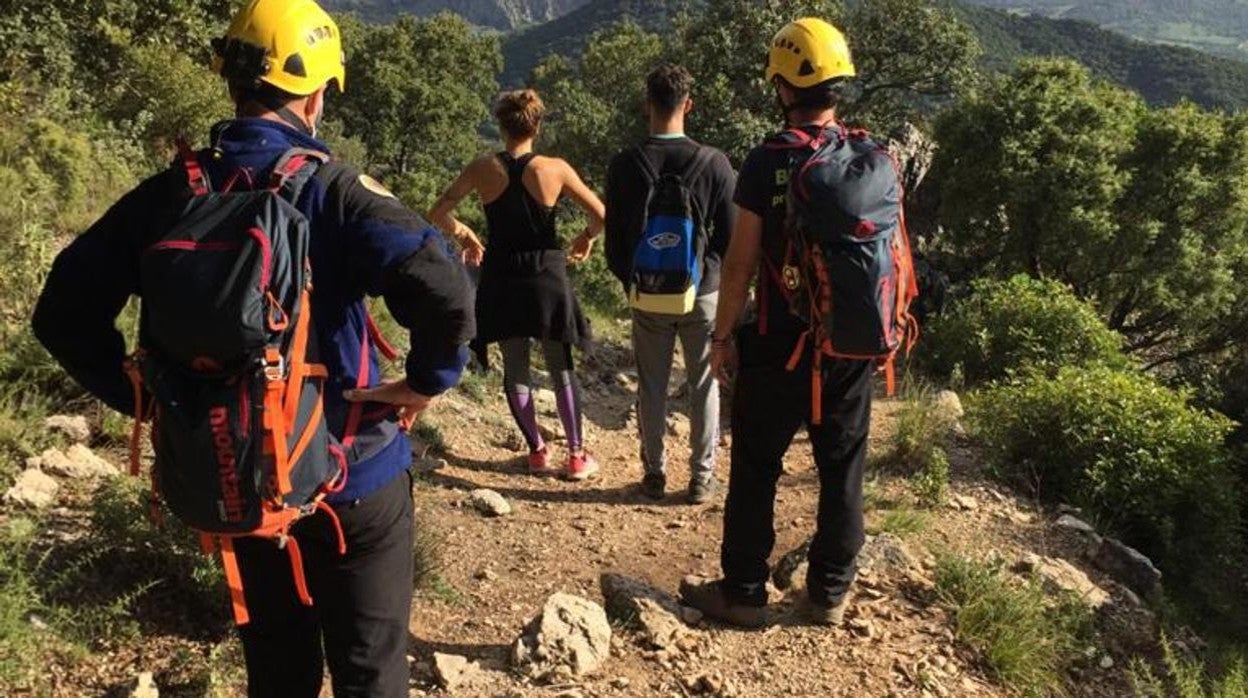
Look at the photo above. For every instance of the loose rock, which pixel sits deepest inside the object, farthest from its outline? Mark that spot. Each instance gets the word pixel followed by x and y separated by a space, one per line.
pixel 964 502
pixel 1129 566
pixel 570 637
pixel 655 611
pixel 453 671
pixel 490 503
pixel 74 426
pixel 949 406
pixel 422 466
pixel 33 489
pixel 78 463
pixel 1060 575
pixel 145 686
pixel 883 555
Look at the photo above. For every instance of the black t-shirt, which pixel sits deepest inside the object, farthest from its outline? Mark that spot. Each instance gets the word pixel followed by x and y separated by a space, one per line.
pixel 627 191
pixel 762 189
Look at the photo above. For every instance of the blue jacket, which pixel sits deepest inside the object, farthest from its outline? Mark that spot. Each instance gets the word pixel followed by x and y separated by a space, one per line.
pixel 364 243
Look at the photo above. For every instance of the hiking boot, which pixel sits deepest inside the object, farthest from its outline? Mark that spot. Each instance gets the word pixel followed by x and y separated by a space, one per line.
pixel 825 614
pixel 654 485
pixel 539 462
pixel 709 598
pixel 702 491
pixel 581 466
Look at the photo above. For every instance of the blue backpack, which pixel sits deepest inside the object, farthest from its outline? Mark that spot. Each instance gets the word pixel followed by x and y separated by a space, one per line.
pixel 847 269
pixel 667 261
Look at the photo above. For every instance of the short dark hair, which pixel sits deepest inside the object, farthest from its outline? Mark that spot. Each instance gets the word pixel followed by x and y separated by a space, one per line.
pixel 260 93
pixel 668 86
pixel 825 95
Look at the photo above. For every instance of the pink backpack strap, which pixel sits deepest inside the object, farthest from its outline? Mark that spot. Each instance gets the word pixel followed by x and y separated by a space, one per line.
pixel 196 178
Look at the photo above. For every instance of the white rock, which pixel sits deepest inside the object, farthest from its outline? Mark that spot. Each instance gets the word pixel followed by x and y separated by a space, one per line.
pixel 965 502
pixel 145 686
pixel 571 637
pixel 1060 575
pixel 73 426
pixel 1072 523
pixel 453 671
pixel 78 463
pixel 949 404
pixel 490 503
pixel 1107 662
pixel 33 489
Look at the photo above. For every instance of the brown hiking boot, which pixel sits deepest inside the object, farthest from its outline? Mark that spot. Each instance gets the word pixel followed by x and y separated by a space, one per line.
pixel 709 598
pixel 823 614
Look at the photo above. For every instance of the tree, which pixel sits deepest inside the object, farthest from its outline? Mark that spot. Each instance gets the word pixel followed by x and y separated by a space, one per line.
pixel 417 91
pixel 1144 213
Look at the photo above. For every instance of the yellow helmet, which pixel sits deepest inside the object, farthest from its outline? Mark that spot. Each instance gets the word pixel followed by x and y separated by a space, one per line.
pixel 808 52
pixel 293 45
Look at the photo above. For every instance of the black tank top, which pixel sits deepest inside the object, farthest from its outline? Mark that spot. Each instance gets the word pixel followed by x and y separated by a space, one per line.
pixel 517 221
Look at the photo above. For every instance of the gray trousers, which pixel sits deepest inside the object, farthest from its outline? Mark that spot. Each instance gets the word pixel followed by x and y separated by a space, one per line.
pixel 654 346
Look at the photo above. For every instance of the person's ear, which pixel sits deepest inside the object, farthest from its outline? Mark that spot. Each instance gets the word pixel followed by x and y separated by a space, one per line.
pixel 784 93
pixel 688 106
pixel 314 107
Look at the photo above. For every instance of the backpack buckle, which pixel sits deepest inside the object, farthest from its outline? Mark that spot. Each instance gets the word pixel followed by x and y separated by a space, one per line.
pixel 274 366
pixel 792 277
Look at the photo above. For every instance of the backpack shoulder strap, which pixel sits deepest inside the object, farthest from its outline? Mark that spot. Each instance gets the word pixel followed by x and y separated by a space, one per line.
pixel 196 177
pixel 647 168
pixel 700 160
pixel 293 170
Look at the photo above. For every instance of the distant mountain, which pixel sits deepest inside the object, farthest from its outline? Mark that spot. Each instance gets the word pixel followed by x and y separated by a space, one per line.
pixel 499 14
pixel 1162 74
pixel 1217 26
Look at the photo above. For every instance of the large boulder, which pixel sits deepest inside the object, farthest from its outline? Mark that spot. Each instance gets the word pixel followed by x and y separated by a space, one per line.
pixel 77 463
pixel 884 555
pixel 34 489
pixel 1129 566
pixel 571 637
pixel 1060 576
pixel 656 613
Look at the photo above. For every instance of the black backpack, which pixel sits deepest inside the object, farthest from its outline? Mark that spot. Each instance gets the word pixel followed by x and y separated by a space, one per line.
pixel 227 368
pixel 668 256
pixel 848 269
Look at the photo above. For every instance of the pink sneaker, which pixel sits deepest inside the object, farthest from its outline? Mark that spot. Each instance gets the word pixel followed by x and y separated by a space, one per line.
pixel 581 467
pixel 539 462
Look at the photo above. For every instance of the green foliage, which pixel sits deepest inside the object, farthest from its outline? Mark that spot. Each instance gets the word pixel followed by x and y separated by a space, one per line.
pixel 1053 174
pixel 1026 640
pixel 19 599
pixel 1006 328
pixel 900 522
pixel 417 92
pixel 1188 677
pixel 919 444
pixel 1132 452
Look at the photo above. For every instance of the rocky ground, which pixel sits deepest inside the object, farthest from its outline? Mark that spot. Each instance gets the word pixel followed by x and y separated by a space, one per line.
pixel 547 588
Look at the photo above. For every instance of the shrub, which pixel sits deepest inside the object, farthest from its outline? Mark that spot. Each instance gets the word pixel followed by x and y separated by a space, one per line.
pixel 1149 466
pixel 1188 678
pixel 918 447
pixel 1025 639
pixel 1007 327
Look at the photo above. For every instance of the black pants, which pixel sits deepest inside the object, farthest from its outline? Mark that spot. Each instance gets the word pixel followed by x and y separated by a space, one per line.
pixel 362 603
pixel 770 404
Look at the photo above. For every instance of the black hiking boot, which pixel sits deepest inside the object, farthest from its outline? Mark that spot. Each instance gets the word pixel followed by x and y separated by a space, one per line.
pixel 654 486
pixel 709 598
pixel 702 491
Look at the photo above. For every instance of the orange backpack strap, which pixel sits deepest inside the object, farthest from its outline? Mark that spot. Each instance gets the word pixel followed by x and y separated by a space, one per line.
pixel 296 570
pixel 275 423
pixel 234 580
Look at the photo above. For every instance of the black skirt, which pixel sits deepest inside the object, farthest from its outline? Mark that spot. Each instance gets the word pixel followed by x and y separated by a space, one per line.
pixel 527 294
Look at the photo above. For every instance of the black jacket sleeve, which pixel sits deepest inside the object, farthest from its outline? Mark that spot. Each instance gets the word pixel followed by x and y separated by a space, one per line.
pixel 90 283
pixel 395 253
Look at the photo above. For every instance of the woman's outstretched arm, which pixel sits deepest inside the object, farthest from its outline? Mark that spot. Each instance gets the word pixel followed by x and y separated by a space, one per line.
pixel 443 215
pixel 585 197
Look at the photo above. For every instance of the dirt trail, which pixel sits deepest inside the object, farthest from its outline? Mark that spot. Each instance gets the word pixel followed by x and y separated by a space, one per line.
pixel 561 536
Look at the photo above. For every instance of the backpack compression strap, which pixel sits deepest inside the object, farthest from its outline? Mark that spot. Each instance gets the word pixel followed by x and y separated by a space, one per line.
pixel 196 177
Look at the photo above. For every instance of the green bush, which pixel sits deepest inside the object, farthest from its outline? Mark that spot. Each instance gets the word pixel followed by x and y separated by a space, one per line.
pixel 1189 678
pixel 1135 454
pixel 1006 327
pixel 1025 639
pixel 918 446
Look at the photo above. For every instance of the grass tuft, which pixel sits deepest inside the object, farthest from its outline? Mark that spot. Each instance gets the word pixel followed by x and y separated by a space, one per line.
pixel 1026 639
pixel 1189 678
